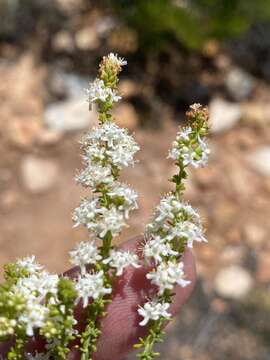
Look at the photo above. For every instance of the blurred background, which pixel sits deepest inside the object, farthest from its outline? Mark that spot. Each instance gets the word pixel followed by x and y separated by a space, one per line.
pixel 216 52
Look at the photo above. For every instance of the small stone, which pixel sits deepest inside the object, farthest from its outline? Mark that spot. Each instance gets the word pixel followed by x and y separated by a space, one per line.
pixel 128 88
pixel 232 254
pixel 219 305
pixel 75 85
pixel 48 137
pixel 126 116
pixel 233 282
pixel 38 175
pixel 67 85
pixel 104 25
pixel 63 41
pixel 87 39
pixel 211 48
pixel 223 115
pixel 254 113
pixel 9 199
pixel 263 270
pixel 70 115
pixel 259 160
pixel 239 84
pixel 254 234
pixel 23 132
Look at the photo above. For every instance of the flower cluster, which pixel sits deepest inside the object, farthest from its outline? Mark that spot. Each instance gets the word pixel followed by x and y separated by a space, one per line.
pixel 176 221
pixel 190 148
pixel 85 253
pixel 153 311
pixel 99 92
pixel 107 149
pixel 91 286
pixel 120 260
pixel 27 298
pixel 174 226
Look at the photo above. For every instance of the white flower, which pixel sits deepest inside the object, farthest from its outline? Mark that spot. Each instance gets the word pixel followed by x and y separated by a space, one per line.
pixel 157 248
pixel 38 356
pixel 99 92
pixel 85 253
pixel 33 316
pixel 166 275
pixel 111 220
pixel 196 106
pixel 91 286
pixel 115 59
pixel 171 210
pixel 86 213
pixel 99 220
pixel 188 230
pixel 120 146
pixel 153 311
pixel 37 286
pixel 125 197
pixel 203 154
pixel 121 259
pixel 94 153
pixel 183 150
pixel 29 264
pixel 95 175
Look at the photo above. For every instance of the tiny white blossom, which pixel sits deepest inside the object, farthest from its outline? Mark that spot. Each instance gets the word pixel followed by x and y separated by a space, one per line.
pixel 166 275
pixel 91 286
pixel 95 175
pixel 120 146
pixel 183 150
pixel 121 259
pixel 86 213
pixel 195 106
pixel 97 91
pixel 170 210
pixel 99 220
pixel 153 311
pixel 38 356
pixel 111 220
pixel 33 316
pixel 188 230
pixel 156 248
pixel 84 253
pixel 29 264
pixel 125 196
pixel 37 286
pixel 114 58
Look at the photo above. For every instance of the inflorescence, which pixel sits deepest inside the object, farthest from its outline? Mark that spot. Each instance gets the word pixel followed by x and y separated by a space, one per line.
pixel 36 303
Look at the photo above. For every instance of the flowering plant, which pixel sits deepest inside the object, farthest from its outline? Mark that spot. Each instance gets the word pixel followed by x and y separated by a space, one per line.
pixel 36 303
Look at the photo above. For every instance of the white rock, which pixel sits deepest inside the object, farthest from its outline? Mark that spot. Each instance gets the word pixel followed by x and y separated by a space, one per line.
pixel 223 115
pixel 233 282
pixel 38 175
pixel 259 160
pixel 68 85
pixel 87 39
pixel 75 85
pixel 62 41
pixel 70 115
pixel 239 83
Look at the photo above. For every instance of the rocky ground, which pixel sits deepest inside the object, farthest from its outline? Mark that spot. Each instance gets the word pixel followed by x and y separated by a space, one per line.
pixel 42 117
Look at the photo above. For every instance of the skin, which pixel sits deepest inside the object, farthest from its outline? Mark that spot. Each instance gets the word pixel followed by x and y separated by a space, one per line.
pixel 120 328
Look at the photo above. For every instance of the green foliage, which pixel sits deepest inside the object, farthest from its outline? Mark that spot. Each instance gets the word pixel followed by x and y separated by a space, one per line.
pixel 189 22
